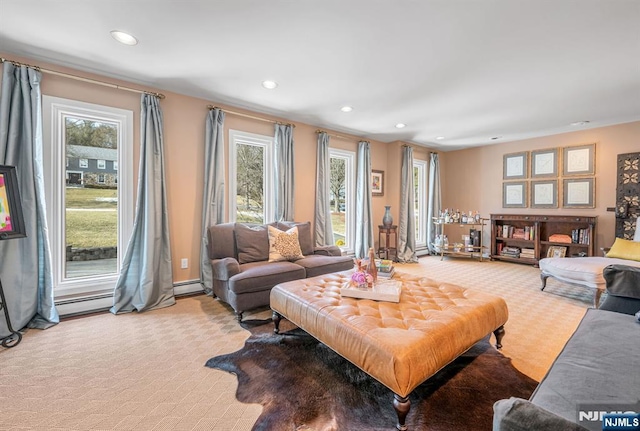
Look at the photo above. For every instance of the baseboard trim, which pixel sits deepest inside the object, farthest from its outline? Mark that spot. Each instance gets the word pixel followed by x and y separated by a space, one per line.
pixel 95 304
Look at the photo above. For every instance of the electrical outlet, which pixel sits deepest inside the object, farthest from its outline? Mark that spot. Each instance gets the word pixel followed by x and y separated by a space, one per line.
pixel 184 263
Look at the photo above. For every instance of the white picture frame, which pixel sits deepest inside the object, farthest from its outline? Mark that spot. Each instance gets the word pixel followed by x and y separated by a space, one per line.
pixel 578 193
pixel 515 166
pixel 514 194
pixel 544 194
pixel 544 163
pixel 579 160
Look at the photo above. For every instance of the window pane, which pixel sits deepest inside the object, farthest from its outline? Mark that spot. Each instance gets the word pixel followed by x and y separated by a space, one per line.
pixel 250 160
pixel 337 195
pixel 91 198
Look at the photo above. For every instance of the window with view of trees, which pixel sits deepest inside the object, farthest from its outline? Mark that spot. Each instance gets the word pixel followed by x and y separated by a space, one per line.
pixel 250 176
pixel 342 196
pixel 420 201
pixel 90 215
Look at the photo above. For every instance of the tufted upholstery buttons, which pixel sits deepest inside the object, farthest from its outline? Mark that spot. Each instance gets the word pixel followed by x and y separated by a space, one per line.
pixel 399 344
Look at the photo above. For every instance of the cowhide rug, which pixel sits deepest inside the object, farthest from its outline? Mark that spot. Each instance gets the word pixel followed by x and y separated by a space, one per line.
pixel 303 385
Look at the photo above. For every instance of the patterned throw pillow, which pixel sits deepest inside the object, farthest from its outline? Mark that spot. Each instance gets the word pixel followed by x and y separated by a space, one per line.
pixel 284 245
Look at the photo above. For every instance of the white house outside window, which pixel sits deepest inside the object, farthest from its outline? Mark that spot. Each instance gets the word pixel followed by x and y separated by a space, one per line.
pixel 83 163
pixel 102 164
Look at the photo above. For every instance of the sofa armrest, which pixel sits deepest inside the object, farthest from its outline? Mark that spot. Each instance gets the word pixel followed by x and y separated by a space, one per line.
pixel 517 414
pixel 623 288
pixel 328 250
pixel 225 268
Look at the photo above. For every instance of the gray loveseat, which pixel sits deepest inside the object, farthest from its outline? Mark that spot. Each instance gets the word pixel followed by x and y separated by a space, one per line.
pixel 597 371
pixel 242 274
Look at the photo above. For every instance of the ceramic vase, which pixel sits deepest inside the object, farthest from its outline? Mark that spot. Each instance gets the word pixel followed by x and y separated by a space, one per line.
pixel 387 219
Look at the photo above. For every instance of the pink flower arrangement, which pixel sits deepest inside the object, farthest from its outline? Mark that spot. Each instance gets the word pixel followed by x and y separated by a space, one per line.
pixel 361 278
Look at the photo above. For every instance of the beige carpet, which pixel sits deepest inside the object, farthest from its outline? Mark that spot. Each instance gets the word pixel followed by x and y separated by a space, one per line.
pixel 146 371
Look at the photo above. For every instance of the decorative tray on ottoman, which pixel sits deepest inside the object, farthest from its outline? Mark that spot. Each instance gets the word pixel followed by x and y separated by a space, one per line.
pixel 383 290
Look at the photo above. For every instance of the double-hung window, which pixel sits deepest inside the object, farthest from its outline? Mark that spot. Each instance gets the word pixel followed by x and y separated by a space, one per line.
pixel 342 198
pixel 89 227
pixel 251 182
pixel 420 201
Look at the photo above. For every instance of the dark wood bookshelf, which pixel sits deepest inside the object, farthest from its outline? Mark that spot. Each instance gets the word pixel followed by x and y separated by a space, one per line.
pixel 540 228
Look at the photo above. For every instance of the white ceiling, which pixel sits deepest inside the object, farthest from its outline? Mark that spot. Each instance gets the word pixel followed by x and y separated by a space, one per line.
pixel 466 70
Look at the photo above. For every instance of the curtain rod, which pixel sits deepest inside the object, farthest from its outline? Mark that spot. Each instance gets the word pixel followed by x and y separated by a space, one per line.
pixel 80 78
pixel 341 137
pixel 240 114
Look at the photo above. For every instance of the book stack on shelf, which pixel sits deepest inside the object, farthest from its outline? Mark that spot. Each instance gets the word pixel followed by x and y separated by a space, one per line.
pixel 580 236
pixel 385 268
pixel 510 252
pixel 508 231
pixel 528 253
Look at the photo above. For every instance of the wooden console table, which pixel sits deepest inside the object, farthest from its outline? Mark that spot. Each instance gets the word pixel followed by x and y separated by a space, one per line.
pixel 390 252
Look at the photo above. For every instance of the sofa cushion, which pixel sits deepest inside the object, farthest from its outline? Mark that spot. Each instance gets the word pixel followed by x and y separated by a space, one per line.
pixel 284 245
pixel 625 249
pixel 252 242
pixel 304 234
pixel 319 264
pixel 598 365
pixel 259 276
pixel 222 241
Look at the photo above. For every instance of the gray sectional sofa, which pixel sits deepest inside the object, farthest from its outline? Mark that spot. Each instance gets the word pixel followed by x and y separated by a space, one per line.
pixel 597 371
pixel 242 274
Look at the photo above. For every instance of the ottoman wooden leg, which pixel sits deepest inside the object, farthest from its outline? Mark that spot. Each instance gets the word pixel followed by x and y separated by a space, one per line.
pixel 402 406
pixel 596 297
pixel 543 277
pixel 499 333
pixel 276 322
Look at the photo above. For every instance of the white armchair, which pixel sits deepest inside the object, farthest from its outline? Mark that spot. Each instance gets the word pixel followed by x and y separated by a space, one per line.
pixel 588 271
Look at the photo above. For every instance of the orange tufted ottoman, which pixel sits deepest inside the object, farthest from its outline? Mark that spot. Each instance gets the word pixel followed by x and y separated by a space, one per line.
pixel 399 344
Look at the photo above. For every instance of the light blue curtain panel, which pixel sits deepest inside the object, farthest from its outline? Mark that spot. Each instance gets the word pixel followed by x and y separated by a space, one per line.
pixel 364 217
pixel 407 222
pixel 25 263
pixel 434 205
pixel 213 194
pixel 324 229
pixel 284 172
pixel 146 278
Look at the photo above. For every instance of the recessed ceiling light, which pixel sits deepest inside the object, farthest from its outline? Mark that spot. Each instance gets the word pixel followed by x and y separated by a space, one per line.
pixel 439 138
pixel 400 126
pixel 580 123
pixel 496 137
pixel 346 109
pixel 269 85
pixel 123 37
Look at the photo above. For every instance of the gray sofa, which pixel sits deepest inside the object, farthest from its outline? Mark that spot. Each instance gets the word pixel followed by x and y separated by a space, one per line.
pixel 242 274
pixel 598 369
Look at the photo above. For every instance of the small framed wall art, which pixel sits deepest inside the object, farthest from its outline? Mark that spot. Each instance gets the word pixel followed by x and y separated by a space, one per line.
pixel 377 183
pixel 515 166
pixel 556 251
pixel 578 193
pixel 514 194
pixel 544 194
pixel 579 160
pixel 544 163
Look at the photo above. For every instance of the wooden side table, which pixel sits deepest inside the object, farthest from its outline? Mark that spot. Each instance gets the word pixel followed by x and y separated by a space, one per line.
pixel 390 248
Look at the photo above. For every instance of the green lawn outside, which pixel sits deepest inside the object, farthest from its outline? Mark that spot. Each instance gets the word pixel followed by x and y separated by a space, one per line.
pixel 86 228
pixel 78 197
pixel 92 228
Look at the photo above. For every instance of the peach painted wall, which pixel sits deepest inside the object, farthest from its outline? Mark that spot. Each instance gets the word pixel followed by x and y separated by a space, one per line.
pixel 472 179
pixel 184 127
